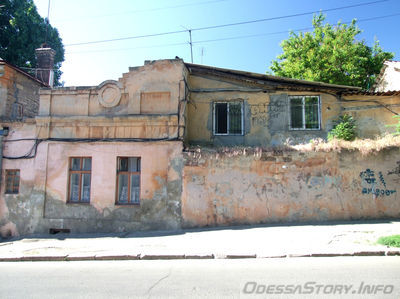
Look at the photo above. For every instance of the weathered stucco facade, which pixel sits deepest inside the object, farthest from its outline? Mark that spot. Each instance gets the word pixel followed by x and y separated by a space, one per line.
pixel 119 156
pixel 252 186
pixel 137 117
pixel 389 77
pixel 19 93
pixel 266 108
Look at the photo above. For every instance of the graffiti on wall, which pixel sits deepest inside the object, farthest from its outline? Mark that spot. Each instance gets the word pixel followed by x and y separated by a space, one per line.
pixel 374 184
pixel 259 114
pixel 396 170
pixel 277 108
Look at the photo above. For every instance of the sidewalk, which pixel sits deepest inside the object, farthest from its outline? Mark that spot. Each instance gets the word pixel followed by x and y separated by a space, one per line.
pixel 267 241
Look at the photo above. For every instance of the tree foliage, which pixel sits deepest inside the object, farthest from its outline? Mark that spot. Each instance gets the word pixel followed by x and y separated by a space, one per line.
pixel 22 30
pixel 330 54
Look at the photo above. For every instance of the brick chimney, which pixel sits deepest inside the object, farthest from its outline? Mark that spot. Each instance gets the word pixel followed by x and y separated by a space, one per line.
pixel 45 64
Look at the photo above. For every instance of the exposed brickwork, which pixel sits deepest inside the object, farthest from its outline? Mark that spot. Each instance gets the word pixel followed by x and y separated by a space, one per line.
pixel 19 95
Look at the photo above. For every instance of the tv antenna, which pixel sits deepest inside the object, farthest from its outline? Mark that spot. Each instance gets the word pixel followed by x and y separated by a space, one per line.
pixel 190 41
pixel 47 23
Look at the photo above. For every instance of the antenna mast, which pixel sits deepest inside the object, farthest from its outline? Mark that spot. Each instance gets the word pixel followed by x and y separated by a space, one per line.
pixel 47 22
pixel 190 43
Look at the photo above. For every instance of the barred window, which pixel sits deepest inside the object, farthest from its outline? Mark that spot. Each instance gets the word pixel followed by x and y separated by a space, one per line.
pixel 128 180
pixel 12 181
pixel 304 113
pixel 228 118
pixel 80 169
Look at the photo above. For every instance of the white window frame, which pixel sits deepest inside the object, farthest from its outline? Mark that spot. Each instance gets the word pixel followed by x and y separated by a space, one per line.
pixel 228 128
pixel 304 112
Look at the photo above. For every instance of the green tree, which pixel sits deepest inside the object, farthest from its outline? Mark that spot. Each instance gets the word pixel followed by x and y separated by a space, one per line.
pixel 22 30
pixel 330 54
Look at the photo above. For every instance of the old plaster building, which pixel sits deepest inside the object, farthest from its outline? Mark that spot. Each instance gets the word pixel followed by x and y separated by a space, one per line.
pixel 144 152
pixel 389 77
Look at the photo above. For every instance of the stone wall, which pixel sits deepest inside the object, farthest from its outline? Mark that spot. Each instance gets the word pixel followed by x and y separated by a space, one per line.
pixel 251 186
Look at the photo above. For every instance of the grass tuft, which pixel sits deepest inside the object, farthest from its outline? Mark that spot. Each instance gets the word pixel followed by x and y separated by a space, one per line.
pixel 392 241
pixel 364 146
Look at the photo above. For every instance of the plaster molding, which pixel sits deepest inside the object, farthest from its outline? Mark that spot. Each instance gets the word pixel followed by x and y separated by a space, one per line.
pixel 109 93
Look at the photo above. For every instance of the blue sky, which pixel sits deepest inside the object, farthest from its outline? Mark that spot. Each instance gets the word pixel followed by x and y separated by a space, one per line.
pixel 80 21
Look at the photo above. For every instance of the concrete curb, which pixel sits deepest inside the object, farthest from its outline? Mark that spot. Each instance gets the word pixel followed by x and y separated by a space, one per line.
pixel 77 257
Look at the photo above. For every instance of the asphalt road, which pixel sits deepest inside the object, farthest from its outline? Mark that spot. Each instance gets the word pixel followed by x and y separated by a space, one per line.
pixel 335 277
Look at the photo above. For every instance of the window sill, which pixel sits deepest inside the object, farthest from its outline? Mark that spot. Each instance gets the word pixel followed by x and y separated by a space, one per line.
pixel 228 134
pixel 293 129
pixel 128 204
pixel 78 203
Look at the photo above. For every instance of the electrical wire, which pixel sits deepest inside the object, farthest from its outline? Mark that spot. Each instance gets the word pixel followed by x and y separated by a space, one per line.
pixel 143 10
pixel 281 32
pixel 225 25
pixel 287 16
pixel 230 38
pixel 33 150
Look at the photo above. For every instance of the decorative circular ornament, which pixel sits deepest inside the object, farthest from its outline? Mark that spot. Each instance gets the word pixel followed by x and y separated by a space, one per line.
pixel 109 95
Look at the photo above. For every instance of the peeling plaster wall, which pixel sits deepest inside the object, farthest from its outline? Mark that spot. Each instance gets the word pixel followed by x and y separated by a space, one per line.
pixel 373 115
pixel 267 187
pixel 42 201
pixel 390 78
pixel 17 89
pixel 133 114
pixel 266 114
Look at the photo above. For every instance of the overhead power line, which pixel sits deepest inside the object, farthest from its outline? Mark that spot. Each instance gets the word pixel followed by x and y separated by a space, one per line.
pixel 286 31
pixel 226 25
pixel 229 38
pixel 144 10
pixel 287 16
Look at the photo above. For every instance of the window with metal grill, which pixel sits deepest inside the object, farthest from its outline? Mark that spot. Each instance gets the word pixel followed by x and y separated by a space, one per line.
pixel 80 172
pixel 228 118
pixel 304 113
pixel 12 181
pixel 128 180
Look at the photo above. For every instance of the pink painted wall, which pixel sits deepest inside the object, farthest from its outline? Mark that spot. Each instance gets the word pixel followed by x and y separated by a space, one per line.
pixel 42 201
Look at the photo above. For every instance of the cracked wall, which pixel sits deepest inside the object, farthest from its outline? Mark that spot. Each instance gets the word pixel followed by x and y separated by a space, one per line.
pixel 42 201
pixel 229 188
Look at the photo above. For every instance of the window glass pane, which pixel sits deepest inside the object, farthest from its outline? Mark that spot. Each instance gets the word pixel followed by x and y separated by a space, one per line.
pixel 123 164
pixel 221 118
pixel 138 164
pixel 85 195
pixel 122 188
pixel 133 164
pixel 311 112
pixel 75 164
pixel 135 188
pixel 74 187
pixel 235 118
pixel 296 113
pixel 87 163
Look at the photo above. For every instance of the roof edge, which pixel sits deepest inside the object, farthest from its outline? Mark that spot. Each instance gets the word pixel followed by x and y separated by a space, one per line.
pixel 24 73
pixel 274 78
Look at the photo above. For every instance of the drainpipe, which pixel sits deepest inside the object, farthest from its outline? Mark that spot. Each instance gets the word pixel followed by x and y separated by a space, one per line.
pixel 3 132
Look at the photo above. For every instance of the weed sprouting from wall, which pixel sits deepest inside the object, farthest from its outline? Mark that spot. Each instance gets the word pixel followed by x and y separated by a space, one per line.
pixel 364 146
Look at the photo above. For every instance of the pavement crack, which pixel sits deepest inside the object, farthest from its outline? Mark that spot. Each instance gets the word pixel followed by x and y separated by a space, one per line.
pixel 158 282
